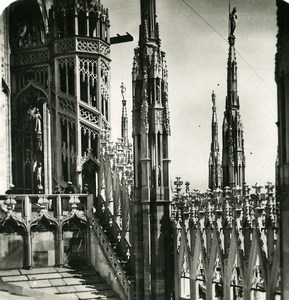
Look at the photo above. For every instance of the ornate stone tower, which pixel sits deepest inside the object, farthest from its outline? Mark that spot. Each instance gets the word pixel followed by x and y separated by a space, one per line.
pixel 233 163
pixel 59 92
pixel 215 169
pixel 151 130
pixel 282 80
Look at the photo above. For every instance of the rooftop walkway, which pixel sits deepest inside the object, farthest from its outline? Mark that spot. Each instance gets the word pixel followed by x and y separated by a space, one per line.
pixel 55 283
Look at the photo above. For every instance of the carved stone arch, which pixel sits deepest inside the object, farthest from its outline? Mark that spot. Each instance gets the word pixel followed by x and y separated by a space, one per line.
pixel 44 230
pixel 74 221
pixel 13 224
pixel 88 169
pixel 185 270
pixel 44 222
pixel 29 151
pixel 215 252
pixel 234 268
pixel 198 267
pixel 32 85
pixel 75 232
pixel 13 232
pixel 27 25
pixel 257 262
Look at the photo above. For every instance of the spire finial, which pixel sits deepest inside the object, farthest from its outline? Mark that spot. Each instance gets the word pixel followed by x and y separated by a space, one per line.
pixel 123 90
pixel 214 98
pixel 233 20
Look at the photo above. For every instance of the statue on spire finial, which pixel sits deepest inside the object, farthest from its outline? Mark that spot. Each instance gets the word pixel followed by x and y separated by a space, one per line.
pixel 233 21
pixel 214 98
pixel 123 90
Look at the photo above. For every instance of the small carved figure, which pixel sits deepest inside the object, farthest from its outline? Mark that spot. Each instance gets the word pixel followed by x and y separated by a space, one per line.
pixel 123 90
pixel 214 98
pixel 233 20
pixel 37 117
pixel 37 170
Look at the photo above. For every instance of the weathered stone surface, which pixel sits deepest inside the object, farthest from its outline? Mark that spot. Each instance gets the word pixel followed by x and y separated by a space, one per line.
pixel 38 271
pixel 9 272
pixel 73 281
pixel 39 283
pixel 49 290
pixel 44 276
pixel 14 278
pixel 57 282
pixel 66 289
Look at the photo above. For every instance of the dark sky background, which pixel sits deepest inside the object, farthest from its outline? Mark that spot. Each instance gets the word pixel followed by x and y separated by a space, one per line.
pixel 197 62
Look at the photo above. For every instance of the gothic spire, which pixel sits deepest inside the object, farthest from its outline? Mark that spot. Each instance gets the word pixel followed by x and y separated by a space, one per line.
pixel 233 161
pixel 148 17
pixel 214 160
pixel 232 101
pixel 124 119
pixel 215 142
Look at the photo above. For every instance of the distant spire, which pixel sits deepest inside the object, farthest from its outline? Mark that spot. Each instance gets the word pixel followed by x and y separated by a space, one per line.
pixel 214 160
pixel 232 100
pixel 215 142
pixel 233 161
pixel 124 119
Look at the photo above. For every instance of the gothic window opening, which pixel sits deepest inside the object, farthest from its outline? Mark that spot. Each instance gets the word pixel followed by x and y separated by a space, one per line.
pixel 200 280
pixel 27 141
pixel 88 80
pixel 60 25
pixel 217 283
pixel 92 25
pixel 94 145
pixel 68 147
pixel 62 77
pixel 70 23
pixel 81 23
pixel 236 283
pixel 84 142
pixel 185 279
pixel 66 76
pixel 90 172
pixel 71 89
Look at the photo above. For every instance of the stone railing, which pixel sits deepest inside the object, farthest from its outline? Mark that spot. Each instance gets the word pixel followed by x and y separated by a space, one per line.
pixel 25 215
pixel 226 243
pixel 57 206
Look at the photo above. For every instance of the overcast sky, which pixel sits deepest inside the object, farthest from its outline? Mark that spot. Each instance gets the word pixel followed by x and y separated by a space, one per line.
pixel 197 62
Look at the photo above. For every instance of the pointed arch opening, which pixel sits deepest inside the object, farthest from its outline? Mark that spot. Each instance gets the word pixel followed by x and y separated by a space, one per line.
pixel 28 113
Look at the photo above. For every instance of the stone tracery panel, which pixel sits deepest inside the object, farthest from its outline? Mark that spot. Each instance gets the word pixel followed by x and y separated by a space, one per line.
pixel 89 116
pixel 67 105
pixel 31 57
pixel 64 45
pixel 87 45
pixel 38 75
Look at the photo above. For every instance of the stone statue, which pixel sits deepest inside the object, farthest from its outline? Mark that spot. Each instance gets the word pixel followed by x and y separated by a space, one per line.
pixel 37 117
pixel 233 20
pixel 37 169
pixel 123 90
pixel 34 114
pixel 214 98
